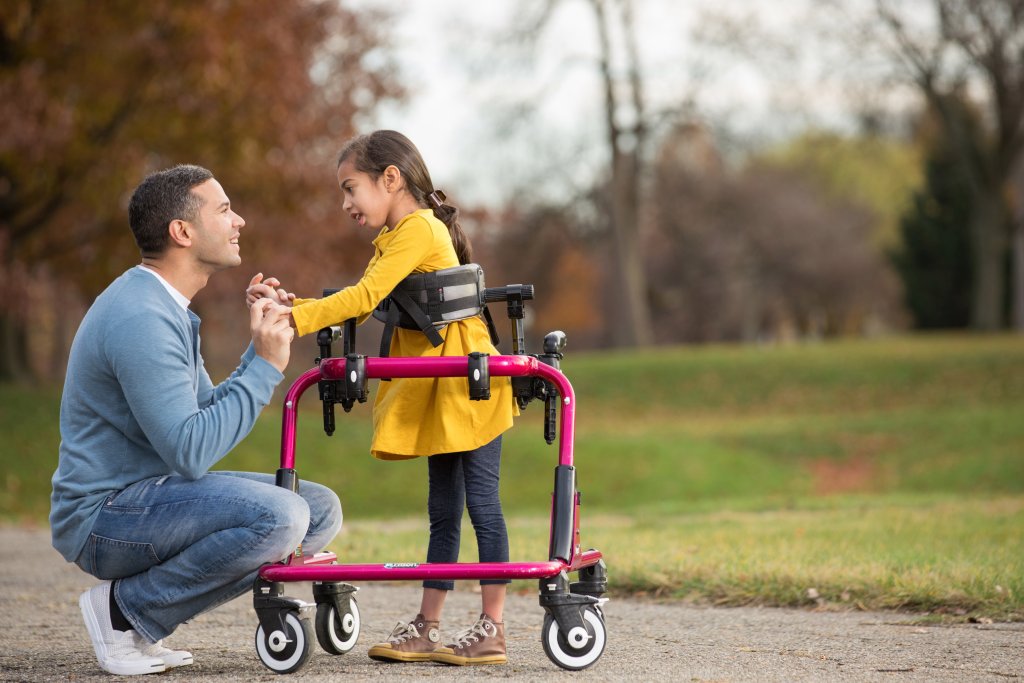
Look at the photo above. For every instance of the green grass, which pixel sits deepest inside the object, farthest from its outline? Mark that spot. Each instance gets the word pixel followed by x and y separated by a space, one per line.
pixel 957 558
pixel 884 473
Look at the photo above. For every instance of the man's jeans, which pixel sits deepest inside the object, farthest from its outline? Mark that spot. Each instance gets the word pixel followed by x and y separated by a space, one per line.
pixel 466 480
pixel 181 547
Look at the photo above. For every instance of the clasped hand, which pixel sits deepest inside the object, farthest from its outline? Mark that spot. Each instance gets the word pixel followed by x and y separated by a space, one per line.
pixel 267 289
pixel 270 321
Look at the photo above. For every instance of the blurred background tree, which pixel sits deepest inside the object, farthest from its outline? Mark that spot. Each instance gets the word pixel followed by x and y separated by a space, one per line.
pixel 655 216
pixel 95 96
pixel 934 257
pixel 759 253
pixel 952 50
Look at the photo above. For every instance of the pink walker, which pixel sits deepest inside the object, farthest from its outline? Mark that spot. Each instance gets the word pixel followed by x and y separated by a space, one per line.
pixel 573 633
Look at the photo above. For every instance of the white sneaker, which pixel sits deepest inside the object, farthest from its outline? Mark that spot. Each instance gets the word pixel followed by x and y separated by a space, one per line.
pixel 171 658
pixel 116 651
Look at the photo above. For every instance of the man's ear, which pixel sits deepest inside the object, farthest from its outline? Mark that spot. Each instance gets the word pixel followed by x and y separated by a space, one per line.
pixel 180 232
pixel 392 178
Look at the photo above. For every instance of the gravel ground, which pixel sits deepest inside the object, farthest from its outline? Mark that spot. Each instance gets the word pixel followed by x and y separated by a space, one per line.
pixel 46 640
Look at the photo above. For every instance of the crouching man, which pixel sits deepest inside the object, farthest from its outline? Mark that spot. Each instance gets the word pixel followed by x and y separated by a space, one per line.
pixel 134 502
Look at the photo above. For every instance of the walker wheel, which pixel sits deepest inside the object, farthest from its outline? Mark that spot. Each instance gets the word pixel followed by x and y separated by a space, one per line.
pixel 336 632
pixel 580 647
pixel 285 652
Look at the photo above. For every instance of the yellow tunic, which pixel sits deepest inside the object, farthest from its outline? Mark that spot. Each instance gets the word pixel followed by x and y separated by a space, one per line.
pixel 415 417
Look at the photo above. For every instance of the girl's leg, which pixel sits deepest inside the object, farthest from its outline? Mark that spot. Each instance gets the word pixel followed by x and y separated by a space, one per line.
pixel 432 603
pixel 481 471
pixel 484 641
pixel 446 499
pixel 494 600
pixel 419 639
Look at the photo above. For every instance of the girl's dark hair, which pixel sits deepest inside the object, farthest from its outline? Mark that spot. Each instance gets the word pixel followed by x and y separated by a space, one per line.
pixel 373 153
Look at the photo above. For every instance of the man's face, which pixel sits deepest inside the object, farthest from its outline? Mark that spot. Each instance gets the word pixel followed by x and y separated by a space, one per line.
pixel 217 228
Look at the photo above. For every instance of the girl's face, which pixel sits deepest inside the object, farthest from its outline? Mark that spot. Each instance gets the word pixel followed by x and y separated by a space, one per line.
pixel 367 201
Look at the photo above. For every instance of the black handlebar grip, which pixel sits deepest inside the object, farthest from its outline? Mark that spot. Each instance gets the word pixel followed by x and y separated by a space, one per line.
pixel 494 294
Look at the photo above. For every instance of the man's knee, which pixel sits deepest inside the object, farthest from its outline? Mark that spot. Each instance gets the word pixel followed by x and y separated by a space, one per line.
pixel 324 506
pixel 287 516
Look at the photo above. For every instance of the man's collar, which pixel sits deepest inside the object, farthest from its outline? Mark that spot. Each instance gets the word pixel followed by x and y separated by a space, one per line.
pixel 178 296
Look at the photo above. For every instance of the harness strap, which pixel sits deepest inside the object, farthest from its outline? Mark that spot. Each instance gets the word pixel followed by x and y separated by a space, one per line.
pixel 432 287
pixel 427 301
pixel 394 314
pixel 491 329
pixel 402 302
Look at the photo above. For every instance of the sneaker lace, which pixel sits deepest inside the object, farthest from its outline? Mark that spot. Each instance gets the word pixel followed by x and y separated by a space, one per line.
pixel 483 628
pixel 403 632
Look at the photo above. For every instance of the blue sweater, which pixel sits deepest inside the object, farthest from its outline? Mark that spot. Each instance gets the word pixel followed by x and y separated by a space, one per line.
pixel 138 403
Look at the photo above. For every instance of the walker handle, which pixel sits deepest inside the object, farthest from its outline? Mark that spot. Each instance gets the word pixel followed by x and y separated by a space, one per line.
pixel 494 294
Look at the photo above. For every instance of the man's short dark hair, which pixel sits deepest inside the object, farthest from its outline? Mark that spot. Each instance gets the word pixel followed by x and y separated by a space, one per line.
pixel 163 197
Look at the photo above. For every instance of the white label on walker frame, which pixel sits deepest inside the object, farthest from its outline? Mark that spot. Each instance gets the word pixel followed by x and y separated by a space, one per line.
pixel 476 375
pixel 401 565
pixel 353 377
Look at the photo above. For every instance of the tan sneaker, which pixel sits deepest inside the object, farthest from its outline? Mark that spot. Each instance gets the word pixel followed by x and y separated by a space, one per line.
pixel 412 642
pixel 481 643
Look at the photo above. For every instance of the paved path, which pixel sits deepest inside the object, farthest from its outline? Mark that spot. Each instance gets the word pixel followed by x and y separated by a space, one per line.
pixel 43 638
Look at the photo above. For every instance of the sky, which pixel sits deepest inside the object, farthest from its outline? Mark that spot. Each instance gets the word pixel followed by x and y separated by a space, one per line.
pixel 465 111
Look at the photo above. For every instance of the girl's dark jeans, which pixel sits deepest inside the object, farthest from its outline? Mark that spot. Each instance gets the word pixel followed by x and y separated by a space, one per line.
pixel 466 480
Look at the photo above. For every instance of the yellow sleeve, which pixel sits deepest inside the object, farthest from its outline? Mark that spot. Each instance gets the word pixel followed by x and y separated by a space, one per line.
pixel 402 255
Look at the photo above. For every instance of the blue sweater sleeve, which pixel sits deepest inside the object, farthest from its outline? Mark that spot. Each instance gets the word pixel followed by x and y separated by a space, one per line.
pixel 207 392
pixel 189 424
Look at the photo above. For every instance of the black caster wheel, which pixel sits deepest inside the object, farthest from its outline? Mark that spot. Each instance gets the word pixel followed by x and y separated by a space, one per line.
pixel 336 632
pixel 284 652
pixel 580 647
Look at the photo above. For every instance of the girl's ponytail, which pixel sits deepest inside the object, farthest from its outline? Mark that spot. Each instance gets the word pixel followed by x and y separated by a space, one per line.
pixel 449 215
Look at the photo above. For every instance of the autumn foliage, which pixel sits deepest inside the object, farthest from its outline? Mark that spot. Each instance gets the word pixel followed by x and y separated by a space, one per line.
pixel 95 95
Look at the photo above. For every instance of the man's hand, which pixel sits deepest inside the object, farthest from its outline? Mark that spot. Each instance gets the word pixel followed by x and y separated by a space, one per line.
pixel 272 333
pixel 267 289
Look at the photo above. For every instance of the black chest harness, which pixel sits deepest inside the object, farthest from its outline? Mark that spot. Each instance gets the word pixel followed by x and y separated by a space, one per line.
pixel 429 301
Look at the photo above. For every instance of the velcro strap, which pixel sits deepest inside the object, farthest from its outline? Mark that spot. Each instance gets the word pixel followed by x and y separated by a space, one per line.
pixel 416 313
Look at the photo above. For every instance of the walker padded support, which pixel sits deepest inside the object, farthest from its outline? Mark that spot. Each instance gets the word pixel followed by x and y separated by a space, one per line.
pixel 426 301
pixel 563 527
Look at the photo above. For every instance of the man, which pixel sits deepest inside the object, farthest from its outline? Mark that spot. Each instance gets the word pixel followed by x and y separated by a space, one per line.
pixel 134 502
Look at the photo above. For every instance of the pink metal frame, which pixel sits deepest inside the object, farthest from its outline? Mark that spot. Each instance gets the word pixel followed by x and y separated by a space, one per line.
pixel 321 568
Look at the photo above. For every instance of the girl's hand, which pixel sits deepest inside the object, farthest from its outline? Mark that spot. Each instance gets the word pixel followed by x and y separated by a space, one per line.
pixel 267 289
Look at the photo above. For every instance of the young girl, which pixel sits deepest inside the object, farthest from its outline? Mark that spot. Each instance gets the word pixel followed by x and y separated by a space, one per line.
pixel 387 188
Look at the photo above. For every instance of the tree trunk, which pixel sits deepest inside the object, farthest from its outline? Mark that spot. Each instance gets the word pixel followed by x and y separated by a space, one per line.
pixel 1017 266
pixel 632 322
pixel 988 238
pixel 14 362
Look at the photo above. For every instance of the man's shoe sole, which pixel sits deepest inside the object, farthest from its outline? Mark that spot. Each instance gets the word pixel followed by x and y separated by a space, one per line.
pixel 119 668
pixel 174 662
